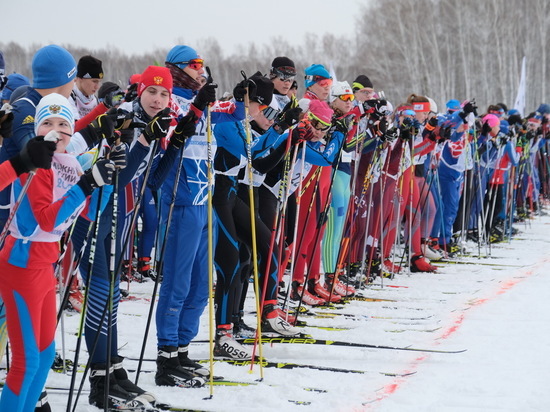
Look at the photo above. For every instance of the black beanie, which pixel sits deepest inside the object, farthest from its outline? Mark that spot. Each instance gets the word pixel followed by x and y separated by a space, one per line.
pixel 263 92
pixel 89 68
pixel 362 82
pixel 284 64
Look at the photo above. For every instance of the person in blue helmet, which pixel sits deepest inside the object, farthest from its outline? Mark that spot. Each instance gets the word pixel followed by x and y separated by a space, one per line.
pixel 184 290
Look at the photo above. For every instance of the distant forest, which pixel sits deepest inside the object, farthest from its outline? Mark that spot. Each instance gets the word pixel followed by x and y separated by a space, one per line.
pixel 439 48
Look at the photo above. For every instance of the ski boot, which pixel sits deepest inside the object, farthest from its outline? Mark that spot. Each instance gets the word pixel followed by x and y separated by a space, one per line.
pixel 121 377
pixel 273 322
pixel 171 373
pixel 190 365
pixel 299 292
pixel 339 287
pixel 118 398
pixel 420 263
pixel 226 347
pixel 43 405
pixel 319 290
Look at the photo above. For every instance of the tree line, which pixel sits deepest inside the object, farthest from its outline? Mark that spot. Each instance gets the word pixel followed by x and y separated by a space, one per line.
pixel 440 48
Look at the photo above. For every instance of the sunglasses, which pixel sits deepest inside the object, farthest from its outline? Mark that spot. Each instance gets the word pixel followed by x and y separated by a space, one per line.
pixel 346 97
pixel 317 123
pixel 270 113
pixel 320 80
pixel 285 73
pixel 195 64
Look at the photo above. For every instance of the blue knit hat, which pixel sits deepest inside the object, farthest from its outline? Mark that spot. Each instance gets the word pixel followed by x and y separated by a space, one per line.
pixel 180 54
pixel 53 105
pixel 14 81
pixel 453 105
pixel 52 66
pixel 544 108
pixel 315 70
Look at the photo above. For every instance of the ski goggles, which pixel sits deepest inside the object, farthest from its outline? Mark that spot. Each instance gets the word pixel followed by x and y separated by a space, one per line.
pixel 195 64
pixel 320 80
pixel 346 97
pixel 270 113
pixel 317 123
pixel 284 73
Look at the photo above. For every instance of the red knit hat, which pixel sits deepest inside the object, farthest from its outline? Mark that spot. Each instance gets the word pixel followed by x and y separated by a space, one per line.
pixel 155 76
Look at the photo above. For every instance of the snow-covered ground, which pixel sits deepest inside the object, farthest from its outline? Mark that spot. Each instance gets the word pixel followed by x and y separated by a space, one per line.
pixel 498 309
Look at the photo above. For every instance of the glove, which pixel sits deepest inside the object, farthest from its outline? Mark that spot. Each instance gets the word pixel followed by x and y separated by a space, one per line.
pixel 485 129
pixel 158 127
pixel 113 99
pixel 240 90
pixel 102 127
pixel 100 174
pixel 432 123
pixel 3 81
pixel 37 153
pixel 303 131
pixel 121 118
pixel 380 127
pixel 131 93
pixel 376 108
pixel 390 135
pixel 470 107
pixel 118 156
pixel 343 125
pixel 185 129
pixel 514 119
pixel 6 121
pixel 206 96
pixel 288 119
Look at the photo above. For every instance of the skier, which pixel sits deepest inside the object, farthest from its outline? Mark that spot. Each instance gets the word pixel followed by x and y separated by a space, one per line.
pixel 234 226
pixel 89 75
pixel 54 199
pixel 184 290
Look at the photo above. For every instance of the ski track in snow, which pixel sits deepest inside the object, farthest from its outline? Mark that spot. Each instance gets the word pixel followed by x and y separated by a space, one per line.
pixel 500 314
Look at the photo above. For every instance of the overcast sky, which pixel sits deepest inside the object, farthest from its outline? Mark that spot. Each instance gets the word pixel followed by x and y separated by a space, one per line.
pixel 140 26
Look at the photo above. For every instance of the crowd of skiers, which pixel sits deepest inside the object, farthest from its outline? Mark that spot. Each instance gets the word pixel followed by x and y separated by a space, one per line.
pixel 310 196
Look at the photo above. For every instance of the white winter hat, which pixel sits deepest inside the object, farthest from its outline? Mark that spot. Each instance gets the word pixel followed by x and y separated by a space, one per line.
pixel 53 105
pixel 339 89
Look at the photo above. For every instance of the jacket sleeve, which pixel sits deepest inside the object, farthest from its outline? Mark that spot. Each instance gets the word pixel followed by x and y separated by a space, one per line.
pixel 7 174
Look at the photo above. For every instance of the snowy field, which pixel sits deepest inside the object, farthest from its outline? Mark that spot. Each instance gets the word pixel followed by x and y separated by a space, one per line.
pixel 497 308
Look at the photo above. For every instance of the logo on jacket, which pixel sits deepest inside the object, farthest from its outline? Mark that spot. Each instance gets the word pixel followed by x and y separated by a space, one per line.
pixel 29 119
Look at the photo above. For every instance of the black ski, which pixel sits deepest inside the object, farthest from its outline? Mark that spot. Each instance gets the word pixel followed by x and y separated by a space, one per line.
pixel 289 365
pixel 313 341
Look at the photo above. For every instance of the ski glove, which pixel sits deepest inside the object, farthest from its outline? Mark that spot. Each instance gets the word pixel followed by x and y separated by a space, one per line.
pixel 113 99
pixel 288 119
pixel 118 155
pixel 158 127
pixel 37 153
pixel 131 93
pixel 100 174
pixel 102 127
pixel 343 125
pixel 470 107
pixel 303 131
pixel 376 108
pixel 240 90
pixel 6 121
pixel 206 96
pixel 185 129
